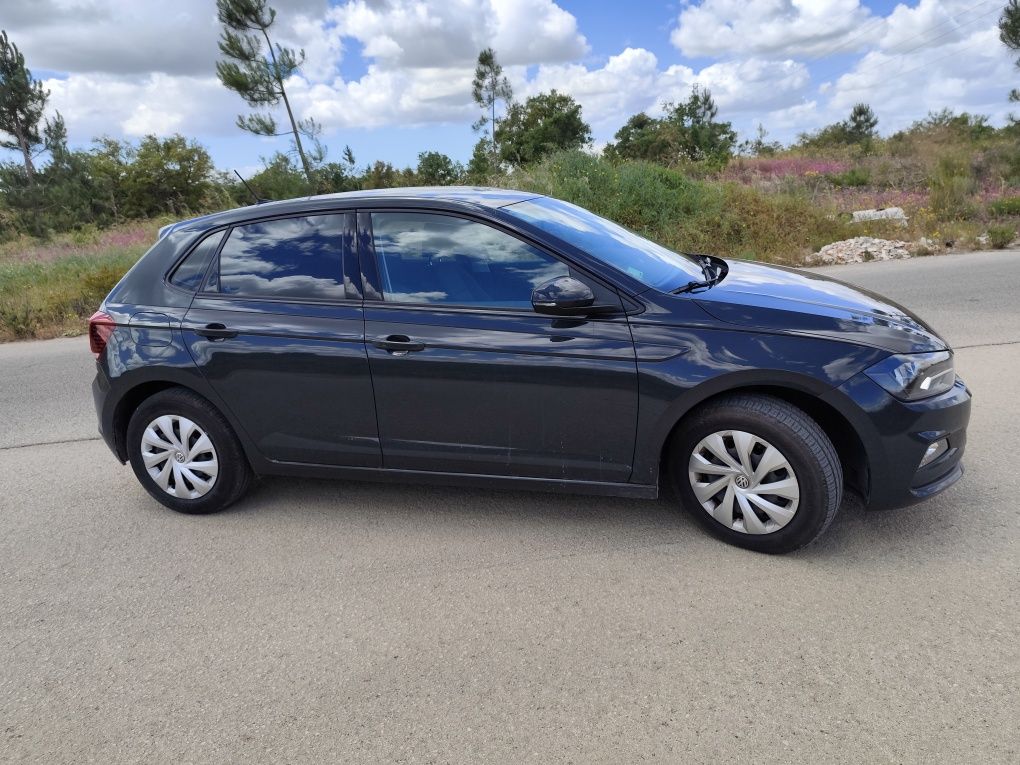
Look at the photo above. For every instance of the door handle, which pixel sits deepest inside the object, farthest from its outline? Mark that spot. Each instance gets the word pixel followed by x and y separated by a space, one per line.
pixel 216 332
pixel 399 345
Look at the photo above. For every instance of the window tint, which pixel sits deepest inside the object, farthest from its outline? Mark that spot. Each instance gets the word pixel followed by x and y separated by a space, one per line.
pixel 643 259
pixel 189 273
pixel 289 258
pixel 431 258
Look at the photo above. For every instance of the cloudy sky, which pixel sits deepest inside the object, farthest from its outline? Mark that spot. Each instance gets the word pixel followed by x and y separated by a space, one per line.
pixel 392 78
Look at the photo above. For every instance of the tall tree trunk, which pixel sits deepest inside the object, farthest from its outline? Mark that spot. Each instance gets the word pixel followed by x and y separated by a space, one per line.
pixel 290 114
pixel 492 124
pixel 26 152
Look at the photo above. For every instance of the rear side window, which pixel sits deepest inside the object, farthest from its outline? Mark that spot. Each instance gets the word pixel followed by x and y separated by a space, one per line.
pixel 435 258
pixel 294 258
pixel 188 275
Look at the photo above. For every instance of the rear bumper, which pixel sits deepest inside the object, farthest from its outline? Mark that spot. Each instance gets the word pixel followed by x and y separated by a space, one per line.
pixel 104 409
pixel 896 434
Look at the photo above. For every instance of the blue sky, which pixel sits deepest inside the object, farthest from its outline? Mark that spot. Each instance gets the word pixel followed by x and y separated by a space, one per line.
pixel 391 78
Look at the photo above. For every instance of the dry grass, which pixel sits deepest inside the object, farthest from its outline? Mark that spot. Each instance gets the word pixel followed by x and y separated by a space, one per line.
pixel 50 288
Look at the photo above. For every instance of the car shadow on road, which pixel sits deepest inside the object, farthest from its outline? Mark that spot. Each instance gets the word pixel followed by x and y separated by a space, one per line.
pixel 855 532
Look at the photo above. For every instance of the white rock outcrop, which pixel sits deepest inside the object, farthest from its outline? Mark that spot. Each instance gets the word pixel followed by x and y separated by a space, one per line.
pixel 886 213
pixel 860 249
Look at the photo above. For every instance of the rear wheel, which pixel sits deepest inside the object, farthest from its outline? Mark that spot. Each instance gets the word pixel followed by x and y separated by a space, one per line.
pixel 185 454
pixel 757 472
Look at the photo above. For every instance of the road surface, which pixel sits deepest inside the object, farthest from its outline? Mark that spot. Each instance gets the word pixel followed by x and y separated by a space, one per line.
pixel 360 622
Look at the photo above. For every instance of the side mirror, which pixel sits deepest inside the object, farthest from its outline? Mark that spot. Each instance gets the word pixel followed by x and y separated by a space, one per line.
pixel 563 296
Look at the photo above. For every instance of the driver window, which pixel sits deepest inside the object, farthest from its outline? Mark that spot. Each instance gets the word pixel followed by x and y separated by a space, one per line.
pixel 441 259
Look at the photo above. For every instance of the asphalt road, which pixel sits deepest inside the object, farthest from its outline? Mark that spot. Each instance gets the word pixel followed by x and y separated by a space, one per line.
pixel 361 622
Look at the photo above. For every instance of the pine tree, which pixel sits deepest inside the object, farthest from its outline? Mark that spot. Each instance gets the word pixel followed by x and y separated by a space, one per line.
pixel 860 127
pixel 488 87
pixel 22 100
pixel 258 75
pixel 1009 33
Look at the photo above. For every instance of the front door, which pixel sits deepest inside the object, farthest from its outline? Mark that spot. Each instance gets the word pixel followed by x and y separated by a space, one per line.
pixel 278 331
pixel 468 378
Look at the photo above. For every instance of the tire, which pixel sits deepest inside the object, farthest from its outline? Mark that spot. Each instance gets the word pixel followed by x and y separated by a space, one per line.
pixel 798 513
pixel 203 480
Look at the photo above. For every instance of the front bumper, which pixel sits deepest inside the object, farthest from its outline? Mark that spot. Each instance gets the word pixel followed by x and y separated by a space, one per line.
pixel 895 435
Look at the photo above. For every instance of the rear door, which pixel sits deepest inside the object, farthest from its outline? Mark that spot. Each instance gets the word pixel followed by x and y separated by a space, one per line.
pixel 468 378
pixel 278 331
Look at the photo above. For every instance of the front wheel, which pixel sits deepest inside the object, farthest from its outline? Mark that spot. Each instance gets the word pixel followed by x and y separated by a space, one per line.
pixel 757 472
pixel 185 454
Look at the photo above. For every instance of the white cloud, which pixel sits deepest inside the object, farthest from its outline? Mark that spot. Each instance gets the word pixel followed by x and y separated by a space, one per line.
pixel 771 27
pixel 971 73
pixel 935 23
pixel 755 84
pixel 160 104
pixel 633 81
pixel 440 33
pixel 918 58
pixel 130 71
pixel 628 83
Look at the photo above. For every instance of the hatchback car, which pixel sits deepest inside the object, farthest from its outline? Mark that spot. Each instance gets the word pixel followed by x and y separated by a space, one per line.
pixel 502 339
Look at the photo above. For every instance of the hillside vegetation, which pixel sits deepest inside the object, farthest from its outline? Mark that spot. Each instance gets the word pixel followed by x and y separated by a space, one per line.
pixel 69 232
pixel 73 220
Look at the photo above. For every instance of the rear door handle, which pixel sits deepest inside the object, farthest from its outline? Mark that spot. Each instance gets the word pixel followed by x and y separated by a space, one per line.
pixel 399 345
pixel 216 332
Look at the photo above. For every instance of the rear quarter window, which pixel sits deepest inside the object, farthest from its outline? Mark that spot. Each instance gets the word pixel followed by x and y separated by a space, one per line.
pixel 188 275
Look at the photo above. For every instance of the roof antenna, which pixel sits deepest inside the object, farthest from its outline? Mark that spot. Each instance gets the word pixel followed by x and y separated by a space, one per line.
pixel 258 200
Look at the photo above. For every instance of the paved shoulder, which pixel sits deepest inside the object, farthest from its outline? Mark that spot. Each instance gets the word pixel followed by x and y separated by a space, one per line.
pixel 45 391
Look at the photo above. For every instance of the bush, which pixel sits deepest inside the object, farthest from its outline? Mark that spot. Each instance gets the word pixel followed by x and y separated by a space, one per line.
pixel 951 186
pixel 1004 207
pixel 855 176
pixel 1001 236
pixel 683 213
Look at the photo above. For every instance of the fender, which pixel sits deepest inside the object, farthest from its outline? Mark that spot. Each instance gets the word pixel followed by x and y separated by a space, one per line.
pixel 126 374
pixel 718 360
pixel 650 448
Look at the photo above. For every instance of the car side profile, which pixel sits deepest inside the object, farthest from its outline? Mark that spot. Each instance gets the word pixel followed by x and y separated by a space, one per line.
pixel 504 339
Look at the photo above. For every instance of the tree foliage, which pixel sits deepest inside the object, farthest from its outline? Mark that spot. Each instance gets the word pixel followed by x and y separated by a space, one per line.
pixel 488 88
pixel 859 129
pixel 113 181
pixel 437 169
pixel 258 74
pixel 1009 33
pixel 861 124
pixel 687 131
pixel 22 100
pixel 541 125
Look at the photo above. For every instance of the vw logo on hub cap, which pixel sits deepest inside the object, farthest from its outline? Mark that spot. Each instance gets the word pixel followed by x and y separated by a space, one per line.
pixel 179 456
pixel 742 481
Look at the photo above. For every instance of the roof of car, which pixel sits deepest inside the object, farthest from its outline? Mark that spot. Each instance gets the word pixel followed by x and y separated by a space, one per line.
pixel 481 195
pixel 470 195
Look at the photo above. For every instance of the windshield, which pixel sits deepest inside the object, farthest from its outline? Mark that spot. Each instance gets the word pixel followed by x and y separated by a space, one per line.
pixel 642 259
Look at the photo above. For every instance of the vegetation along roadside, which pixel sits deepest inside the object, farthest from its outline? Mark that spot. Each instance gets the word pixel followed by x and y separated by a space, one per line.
pixel 73 220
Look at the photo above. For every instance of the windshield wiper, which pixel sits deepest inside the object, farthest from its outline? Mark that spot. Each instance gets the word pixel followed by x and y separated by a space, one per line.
pixel 713 269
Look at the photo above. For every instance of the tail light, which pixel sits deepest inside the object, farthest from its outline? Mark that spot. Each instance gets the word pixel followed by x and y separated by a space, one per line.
pixel 101 326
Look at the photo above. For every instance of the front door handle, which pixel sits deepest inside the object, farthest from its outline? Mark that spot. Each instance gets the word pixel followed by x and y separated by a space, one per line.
pixel 399 345
pixel 216 331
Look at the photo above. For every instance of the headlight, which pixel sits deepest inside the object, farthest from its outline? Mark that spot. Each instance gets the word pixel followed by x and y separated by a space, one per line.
pixel 915 375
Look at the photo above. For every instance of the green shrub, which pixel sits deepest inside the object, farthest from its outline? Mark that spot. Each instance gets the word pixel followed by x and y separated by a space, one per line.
pixel 1001 236
pixel 951 186
pixel 683 213
pixel 855 176
pixel 1005 206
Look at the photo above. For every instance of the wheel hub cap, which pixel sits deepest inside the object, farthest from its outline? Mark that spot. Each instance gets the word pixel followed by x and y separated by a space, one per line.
pixel 744 482
pixel 179 456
